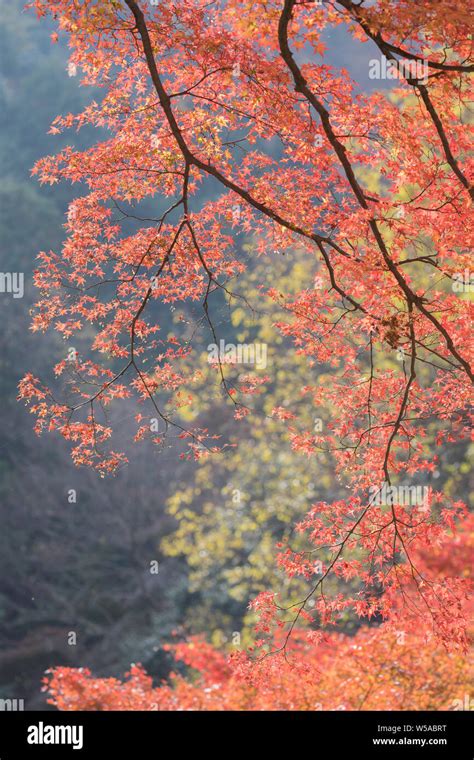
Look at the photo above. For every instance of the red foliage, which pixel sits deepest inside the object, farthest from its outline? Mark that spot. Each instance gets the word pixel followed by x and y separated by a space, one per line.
pixel 376 187
pixel 374 670
pixel 380 668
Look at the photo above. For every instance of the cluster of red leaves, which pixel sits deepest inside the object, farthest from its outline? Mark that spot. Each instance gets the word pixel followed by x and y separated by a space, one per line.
pixel 410 588
pixel 374 670
pixel 169 129
pixel 388 667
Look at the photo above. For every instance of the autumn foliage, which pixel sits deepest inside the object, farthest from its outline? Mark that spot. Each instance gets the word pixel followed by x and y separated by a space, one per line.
pixel 370 671
pixel 377 669
pixel 375 190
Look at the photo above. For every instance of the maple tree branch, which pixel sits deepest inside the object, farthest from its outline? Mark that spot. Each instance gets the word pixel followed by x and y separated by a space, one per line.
pixel 354 10
pixel 422 89
pixel 192 160
pixel 301 85
pixel 188 155
pixel 211 279
pixel 388 51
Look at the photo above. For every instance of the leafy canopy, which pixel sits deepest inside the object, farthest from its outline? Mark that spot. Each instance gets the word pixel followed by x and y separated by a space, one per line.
pixel 375 188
